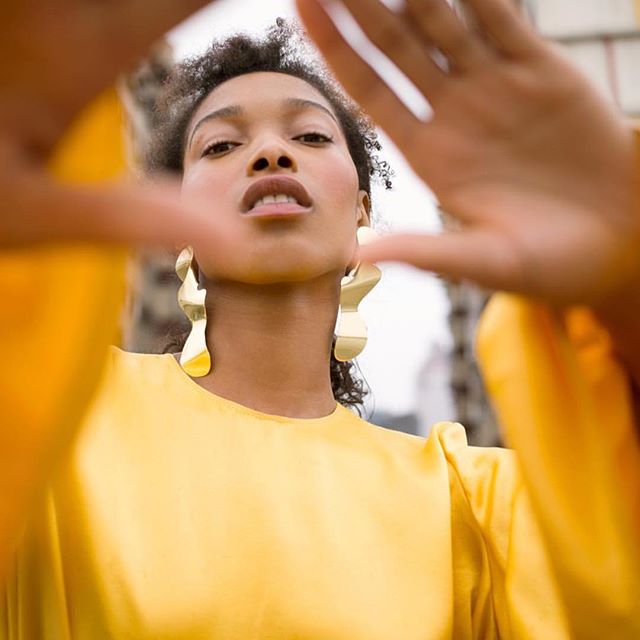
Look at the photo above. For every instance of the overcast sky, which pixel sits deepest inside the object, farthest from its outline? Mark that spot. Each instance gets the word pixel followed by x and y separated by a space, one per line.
pixel 406 313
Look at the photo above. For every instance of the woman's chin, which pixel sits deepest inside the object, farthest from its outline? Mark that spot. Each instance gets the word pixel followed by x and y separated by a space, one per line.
pixel 279 265
pixel 273 273
pixel 282 274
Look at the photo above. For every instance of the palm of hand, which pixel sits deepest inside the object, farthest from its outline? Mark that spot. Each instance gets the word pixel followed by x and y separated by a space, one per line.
pixel 514 176
pixel 521 151
pixel 63 53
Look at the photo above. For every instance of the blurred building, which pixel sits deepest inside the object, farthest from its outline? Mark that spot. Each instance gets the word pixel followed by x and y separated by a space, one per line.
pixel 603 38
pixel 153 313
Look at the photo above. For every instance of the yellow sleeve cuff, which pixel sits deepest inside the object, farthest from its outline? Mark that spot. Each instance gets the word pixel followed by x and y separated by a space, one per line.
pixel 564 403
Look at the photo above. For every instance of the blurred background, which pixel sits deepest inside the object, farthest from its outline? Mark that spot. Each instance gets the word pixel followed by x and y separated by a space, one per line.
pixel 419 362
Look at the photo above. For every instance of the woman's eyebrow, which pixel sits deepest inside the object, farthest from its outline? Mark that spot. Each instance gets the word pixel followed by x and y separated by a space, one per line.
pixel 300 104
pixel 224 112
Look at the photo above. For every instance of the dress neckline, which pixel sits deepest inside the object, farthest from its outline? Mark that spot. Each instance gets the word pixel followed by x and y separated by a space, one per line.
pixel 190 383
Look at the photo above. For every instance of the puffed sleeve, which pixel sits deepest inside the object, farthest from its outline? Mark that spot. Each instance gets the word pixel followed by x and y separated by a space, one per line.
pixel 565 405
pixel 60 310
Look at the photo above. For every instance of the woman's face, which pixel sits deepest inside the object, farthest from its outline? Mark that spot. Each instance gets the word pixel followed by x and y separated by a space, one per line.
pixel 266 150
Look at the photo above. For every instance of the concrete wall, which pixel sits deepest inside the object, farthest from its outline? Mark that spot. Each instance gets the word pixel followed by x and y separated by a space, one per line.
pixel 603 38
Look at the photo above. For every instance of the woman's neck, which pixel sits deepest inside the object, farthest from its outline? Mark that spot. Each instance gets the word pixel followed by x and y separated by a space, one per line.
pixel 270 345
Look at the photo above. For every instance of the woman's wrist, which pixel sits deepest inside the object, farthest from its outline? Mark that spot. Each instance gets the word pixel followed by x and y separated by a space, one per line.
pixel 621 318
pixel 621 314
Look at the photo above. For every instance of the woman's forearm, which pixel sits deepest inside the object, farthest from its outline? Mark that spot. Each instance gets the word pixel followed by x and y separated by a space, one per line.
pixel 622 316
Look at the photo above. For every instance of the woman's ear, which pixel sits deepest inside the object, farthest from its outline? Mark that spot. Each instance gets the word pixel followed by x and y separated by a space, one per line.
pixel 363 220
pixel 197 272
pixel 364 209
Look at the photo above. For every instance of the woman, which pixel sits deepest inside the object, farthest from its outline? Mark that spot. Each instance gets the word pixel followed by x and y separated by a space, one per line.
pixel 244 524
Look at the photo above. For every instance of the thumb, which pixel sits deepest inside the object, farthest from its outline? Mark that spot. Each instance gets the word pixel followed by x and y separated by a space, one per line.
pixel 478 256
pixel 41 211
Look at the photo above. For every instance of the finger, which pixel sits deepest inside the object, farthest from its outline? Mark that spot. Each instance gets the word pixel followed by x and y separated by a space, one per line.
pixel 357 77
pixel 43 211
pixel 390 33
pixel 479 257
pixel 139 23
pixel 97 41
pixel 438 23
pixel 507 26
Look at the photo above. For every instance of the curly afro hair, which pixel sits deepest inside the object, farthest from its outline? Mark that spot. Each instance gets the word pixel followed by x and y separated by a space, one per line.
pixel 283 49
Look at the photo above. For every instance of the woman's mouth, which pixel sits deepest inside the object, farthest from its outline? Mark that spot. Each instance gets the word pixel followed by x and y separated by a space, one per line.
pixel 276 197
pixel 279 205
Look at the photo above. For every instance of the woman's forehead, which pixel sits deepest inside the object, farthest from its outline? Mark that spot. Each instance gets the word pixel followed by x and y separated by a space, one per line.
pixel 260 90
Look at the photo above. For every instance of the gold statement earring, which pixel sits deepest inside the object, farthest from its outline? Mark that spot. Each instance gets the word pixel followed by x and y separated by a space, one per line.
pixel 351 333
pixel 195 358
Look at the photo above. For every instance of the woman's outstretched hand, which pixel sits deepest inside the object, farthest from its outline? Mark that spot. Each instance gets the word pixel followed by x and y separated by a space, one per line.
pixel 535 166
pixel 58 55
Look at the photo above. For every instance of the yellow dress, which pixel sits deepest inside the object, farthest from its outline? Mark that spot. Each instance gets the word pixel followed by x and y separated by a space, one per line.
pixel 178 514
pixel 183 515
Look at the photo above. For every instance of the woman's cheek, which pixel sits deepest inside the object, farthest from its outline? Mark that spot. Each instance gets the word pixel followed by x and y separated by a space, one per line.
pixel 342 178
pixel 198 180
pixel 340 226
pixel 206 190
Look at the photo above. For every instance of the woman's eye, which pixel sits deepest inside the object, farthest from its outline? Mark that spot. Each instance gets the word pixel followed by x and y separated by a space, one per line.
pixel 219 148
pixel 314 138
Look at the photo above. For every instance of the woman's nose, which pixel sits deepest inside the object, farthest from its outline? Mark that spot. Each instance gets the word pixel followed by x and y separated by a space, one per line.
pixel 270 159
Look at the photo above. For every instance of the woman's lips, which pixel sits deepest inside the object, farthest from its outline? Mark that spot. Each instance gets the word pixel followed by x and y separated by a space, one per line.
pixel 274 189
pixel 278 210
